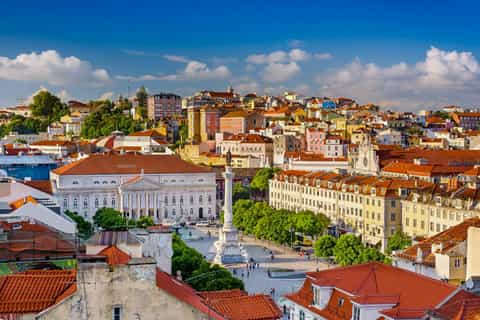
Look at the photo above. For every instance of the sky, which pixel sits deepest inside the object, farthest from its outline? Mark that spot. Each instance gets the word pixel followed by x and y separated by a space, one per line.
pixel 404 55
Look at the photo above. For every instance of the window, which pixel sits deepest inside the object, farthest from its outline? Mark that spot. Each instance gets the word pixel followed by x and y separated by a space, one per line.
pixel 165 213
pixel 200 199
pixel 166 200
pixel 104 202
pixel 96 202
pixel 356 313
pixel 173 211
pixel 174 200
pixel 65 203
pixel 96 182
pixel 113 202
pixel 85 203
pixel 75 203
pixel 105 182
pixel 392 217
pixel 181 199
pixel 301 315
pixel 209 199
pixel 75 182
pixel 340 302
pixel 457 263
pixel 117 313
pixel 112 182
pixel 191 211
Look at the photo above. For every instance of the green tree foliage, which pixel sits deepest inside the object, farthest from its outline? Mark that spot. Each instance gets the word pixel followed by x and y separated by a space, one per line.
pixel 442 114
pixel 324 246
pixel 110 219
pixel 264 222
pixel 370 255
pixel 199 273
pixel 48 106
pixel 240 192
pixel 84 228
pixel 260 180
pixel 348 249
pixel 142 97
pixel 398 241
pixel 144 222
pixel 106 119
pixel 23 125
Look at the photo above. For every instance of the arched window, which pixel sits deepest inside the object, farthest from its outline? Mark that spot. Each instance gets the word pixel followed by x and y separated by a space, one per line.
pixel 85 202
pixel 75 203
pixel 96 202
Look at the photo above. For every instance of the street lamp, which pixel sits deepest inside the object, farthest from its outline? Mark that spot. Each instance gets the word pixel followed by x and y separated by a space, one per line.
pixel 291 236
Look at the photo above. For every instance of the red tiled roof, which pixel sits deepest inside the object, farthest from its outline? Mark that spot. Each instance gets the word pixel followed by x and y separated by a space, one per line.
pixel 32 292
pixel 61 143
pixel 376 282
pixel 245 307
pixel 129 164
pixel 449 239
pixel 146 133
pixel 185 293
pixel 42 185
pixel 423 170
pixel 462 306
pixel 115 256
pixel 249 138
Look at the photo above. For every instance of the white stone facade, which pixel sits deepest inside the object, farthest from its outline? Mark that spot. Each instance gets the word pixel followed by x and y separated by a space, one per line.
pixel 164 197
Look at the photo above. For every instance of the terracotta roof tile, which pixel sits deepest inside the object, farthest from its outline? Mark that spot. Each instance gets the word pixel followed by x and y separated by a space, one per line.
pixel 42 185
pixel 32 292
pixel 245 307
pixel 115 256
pixel 129 164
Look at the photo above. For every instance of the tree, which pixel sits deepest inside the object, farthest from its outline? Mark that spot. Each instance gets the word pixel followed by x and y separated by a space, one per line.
pixel 48 106
pixel 347 250
pixel 370 255
pixel 142 97
pixel 324 246
pixel 199 273
pixel 84 228
pixel 261 178
pixel 398 241
pixel 310 223
pixel 240 192
pixel 110 219
pixel 145 221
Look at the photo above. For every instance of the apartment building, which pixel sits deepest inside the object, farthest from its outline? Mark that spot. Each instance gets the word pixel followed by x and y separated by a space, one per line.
pixel 163 105
pixel 365 205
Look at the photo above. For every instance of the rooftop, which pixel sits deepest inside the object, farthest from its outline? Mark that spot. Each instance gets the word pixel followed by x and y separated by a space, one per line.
pixel 129 164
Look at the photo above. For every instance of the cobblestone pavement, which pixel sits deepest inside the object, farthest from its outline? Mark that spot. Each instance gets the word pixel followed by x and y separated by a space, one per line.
pixel 257 280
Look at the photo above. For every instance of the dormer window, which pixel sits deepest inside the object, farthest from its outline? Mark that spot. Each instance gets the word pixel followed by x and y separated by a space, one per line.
pixel 75 182
pixel 340 302
pixel 374 191
pixel 96 182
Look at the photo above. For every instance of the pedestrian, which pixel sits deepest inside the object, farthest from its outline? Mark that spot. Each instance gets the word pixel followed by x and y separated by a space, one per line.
pixel 243 274
pixel 273 291
pixel 248 274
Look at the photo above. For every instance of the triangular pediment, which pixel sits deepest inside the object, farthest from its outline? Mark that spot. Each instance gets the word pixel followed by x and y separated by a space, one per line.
pixel 140 183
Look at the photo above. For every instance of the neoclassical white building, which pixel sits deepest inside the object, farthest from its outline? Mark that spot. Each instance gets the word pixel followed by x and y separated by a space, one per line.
pixel 161 186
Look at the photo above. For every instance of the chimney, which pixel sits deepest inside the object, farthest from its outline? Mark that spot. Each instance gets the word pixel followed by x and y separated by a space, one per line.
pixel 473 254
pixel 419 258
pixel 179 275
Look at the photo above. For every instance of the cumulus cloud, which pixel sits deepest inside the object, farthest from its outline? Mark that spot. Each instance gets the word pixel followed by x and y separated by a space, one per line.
pixel 194 70
pixel 50 67
pixel 280 66
pixel 442 77
pixel 64 95
pixel 247 87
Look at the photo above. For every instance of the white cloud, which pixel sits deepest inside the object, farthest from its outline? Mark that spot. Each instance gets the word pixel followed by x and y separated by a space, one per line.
pixel 298 55
pixel 64 95
pixel 443 77
pixel 274 57
pixel 194 70
pixel 247 87
pixel 106 96
pixel 175 58
pixel 280 72
pixel 50 67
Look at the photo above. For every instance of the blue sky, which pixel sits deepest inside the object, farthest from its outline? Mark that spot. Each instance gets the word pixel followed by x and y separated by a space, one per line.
pixel 405 55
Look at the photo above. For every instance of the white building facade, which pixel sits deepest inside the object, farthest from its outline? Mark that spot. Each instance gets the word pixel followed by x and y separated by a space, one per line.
pixel 163 187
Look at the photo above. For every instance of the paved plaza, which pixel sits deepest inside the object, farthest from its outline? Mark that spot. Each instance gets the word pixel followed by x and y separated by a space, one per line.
pixel 257 280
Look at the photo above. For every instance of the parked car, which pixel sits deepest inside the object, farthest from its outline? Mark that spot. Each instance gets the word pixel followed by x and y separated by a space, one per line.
pixel 203 224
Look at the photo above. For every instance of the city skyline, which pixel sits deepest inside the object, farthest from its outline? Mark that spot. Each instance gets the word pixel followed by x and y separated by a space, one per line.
pixel 394 55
